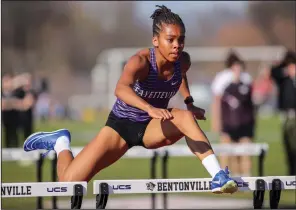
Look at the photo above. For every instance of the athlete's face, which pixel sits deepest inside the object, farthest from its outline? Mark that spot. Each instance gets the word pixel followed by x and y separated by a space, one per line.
pixel 170 41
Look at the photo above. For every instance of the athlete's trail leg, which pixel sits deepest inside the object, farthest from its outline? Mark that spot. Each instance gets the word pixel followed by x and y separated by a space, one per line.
pixel 106 148
pixel 65 157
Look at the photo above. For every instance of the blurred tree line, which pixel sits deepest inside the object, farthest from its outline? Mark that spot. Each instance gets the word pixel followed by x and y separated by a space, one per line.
pixel 41 35
pixel 276 19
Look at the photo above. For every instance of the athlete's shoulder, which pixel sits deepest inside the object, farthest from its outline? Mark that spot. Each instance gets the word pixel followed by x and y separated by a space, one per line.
pixel 185 61
pixel 144 53
pixel 138 64
pixel 140 59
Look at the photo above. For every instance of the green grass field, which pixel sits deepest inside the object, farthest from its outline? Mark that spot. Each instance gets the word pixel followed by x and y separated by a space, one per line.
pixel 268 130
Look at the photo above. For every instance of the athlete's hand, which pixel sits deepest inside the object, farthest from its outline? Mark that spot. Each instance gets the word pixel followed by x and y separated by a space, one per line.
pixel 198 113
pixel 157 113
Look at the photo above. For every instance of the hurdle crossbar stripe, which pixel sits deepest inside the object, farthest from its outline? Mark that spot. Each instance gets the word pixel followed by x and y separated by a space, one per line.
pixel 186 185
pixel 253 149
pixel 36 189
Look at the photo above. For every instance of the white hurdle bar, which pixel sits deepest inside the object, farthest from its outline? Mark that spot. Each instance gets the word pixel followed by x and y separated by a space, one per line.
pixel 102 188
pixel 36 189
pixel 251 149
pixel 186 185
pixel 177 150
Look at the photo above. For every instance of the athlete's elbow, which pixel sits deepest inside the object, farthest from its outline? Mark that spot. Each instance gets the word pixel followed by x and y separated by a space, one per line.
pixel 120 90
pixel 117 91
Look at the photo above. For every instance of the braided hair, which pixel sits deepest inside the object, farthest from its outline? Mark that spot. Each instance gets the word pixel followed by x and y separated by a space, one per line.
pixel 163 15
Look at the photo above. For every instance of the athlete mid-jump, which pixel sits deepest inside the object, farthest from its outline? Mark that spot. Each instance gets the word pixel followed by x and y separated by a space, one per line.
pixel 140 115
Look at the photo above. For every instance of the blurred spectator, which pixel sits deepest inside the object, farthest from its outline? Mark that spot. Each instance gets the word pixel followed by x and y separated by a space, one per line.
pixel 43 106
pixel 18 99
pixel 233 111
pixel 262 87
pixel 44 101
pixel 57 111
pixel 10 110
pixel 283 74
pixel 28 97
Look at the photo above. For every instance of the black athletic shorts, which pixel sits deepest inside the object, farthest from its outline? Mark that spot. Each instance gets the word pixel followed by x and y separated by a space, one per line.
pixel 235 134
pixel 131 132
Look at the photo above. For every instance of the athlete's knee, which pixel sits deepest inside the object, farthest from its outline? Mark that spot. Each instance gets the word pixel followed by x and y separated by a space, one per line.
pixel 182 117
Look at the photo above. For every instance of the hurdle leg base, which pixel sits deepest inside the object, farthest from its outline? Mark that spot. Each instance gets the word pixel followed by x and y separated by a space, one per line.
pixel 76 200
pixel 258 194
pixel 102 198
pixel 275 194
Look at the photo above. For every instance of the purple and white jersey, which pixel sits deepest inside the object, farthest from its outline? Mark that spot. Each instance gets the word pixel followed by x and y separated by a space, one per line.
pixel 155 91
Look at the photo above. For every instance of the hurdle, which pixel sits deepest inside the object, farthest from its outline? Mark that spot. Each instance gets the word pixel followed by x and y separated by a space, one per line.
pixel 274 184
pixel 252 149
pixel 36 189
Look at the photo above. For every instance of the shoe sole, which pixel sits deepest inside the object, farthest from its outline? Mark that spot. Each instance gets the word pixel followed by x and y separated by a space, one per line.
pixel 34 134
pixel 229 187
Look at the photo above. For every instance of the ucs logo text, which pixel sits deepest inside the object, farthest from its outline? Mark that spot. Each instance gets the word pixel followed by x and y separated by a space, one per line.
pixel 291 183
pixel 57 189
pixel 122 187
pixel 242 184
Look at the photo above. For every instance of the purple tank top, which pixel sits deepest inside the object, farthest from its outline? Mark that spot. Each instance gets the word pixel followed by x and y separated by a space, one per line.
pixel 153 90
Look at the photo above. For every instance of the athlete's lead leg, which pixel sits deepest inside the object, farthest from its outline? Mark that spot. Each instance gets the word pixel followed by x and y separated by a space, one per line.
pixel 161 133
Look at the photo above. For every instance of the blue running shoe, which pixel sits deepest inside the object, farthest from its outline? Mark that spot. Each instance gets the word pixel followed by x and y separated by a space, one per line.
pixel 44 140
pixel 222 183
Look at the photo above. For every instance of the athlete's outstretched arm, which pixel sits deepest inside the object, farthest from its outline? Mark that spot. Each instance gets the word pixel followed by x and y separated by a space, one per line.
pixel 184 87
pixel 137 68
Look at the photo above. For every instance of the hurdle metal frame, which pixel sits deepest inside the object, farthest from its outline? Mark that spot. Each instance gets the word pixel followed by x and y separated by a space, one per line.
pixel 76 200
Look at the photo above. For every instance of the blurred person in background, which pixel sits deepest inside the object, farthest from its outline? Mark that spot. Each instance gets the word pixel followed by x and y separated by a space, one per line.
pixel 28 97
pixel 140 115
pixel 262 87
pixel 283 74
pixel 44 100
pixel 11 105
pixel 233 111
pixel 43 107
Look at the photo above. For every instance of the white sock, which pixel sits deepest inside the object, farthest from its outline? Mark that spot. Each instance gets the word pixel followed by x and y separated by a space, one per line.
pixel 211 164
pixel 63 143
